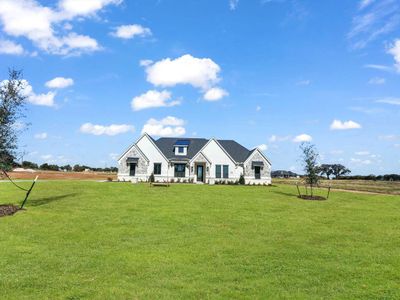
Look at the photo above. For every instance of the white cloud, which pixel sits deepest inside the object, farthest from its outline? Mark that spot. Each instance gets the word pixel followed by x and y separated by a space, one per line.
pixel 339 125
pixel 233 4
pixel 362 153
pixel 276 138
pixel 258 108
pixel 169 126
pixel 377 18
pixel 9 47
pixel 336 152
pixel 46 157
pixel 379 67
pixel 215 94
pixel 40 24
pixel 263 147
pixel 145 62
pixel 304 82
pixel 302 138
pixel 130 31
pixel 110 130
pixel 152 99
pixel 32 97
pixel 377 80
pixel 390 137
pixel 59 83
pixel 364 3
pixel 40 136
pixel 395 51
pixel 361 161
pixel 198 72
pixel 42 99
pixel 390 100
pixel 72 8
pixel 114 156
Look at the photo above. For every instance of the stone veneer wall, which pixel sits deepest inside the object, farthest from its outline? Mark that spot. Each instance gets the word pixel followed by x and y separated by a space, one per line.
pixel 141 167
pixel 249 171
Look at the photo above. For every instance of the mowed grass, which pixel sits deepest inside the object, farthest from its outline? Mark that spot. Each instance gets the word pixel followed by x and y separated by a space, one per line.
pixel 90 240
pixel 370 186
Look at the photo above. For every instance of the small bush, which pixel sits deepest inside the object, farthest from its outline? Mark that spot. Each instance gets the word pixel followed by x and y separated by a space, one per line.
pixel 109 179
pixel 241 179
pixel 151 178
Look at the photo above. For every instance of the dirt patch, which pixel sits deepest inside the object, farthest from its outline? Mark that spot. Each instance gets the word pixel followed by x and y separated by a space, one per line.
pixel 55 175
pixel 315 198
pixel 8 210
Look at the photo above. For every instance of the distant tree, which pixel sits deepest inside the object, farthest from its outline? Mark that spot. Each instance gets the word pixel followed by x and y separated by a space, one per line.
pixel 151 178
pixel 67 168
pixel 29 165
pixel 310 164
pixel 325 170
pixel 12 101
pixel 339 170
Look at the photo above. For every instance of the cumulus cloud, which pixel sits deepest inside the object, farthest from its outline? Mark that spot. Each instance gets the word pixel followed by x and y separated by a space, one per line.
pixel 361 161
pixel 215 94
pixel 339 125
pixel 110 130
pixel 304 82
pixel 395 51
pixel 39 24
pixel 169 126
pixel 59 83
pixel 362 153
pixel 152 99
pixel 263 147
pixel 258 108
pixel 302 138
pixel 9 47
pixel 40 136
pixel 390 100
pixel 198 72
pixel 131 31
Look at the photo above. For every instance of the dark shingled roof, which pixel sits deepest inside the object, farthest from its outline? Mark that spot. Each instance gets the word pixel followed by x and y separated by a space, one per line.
pixel 166 145
pixel 234 149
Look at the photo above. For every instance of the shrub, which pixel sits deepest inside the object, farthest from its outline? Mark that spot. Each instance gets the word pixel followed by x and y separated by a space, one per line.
pixel 241 179
pixel 109 179
pixel 151 178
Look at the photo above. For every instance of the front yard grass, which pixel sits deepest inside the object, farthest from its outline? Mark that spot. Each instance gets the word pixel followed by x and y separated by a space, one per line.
pixel 90 240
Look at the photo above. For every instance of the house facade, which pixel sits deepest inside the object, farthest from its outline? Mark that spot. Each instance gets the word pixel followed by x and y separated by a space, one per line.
pixel 195 160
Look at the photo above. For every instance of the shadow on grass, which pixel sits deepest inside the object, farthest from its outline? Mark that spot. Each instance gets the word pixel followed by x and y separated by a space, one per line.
pixel 285 194
pixel 47 200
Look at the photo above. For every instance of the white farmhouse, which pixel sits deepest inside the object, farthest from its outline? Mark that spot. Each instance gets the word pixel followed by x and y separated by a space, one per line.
pixel 192 160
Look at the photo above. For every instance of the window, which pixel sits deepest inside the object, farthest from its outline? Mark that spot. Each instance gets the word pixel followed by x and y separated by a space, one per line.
pixel 180 170
pixel 181 150
pixel 157 169
pixel 226 171
pixel 217 171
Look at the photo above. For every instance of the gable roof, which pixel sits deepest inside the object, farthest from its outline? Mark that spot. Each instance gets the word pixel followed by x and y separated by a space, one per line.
pixel 235 150
pixel 166 146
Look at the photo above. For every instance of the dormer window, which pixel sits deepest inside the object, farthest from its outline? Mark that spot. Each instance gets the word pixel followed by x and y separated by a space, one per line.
pixel 181 147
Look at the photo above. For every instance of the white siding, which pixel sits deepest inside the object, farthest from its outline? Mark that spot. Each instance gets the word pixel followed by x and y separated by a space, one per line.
pixel 217 156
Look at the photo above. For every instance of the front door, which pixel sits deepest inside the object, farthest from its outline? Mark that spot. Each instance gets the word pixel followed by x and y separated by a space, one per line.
pixel 132 169
pixel 200 173
pixel 257 172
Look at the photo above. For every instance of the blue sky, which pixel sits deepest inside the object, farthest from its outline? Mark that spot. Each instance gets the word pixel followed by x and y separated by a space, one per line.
pixel 268 73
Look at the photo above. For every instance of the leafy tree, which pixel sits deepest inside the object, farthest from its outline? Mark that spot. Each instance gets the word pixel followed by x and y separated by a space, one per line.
pixel 12 101
pixel 310 164
pixel 325 170
pixel 242 180
pixel 151 178
pixel 29 165
pixel 67 168
pixel 339 170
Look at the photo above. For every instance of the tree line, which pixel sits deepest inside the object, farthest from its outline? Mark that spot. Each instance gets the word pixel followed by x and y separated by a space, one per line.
pixel 65 168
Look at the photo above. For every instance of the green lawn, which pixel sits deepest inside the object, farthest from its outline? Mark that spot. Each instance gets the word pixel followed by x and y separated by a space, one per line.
pixel 79 240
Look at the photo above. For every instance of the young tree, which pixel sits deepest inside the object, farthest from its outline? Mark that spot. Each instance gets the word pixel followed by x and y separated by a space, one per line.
pixel 12 101
pixel 339 170
pixel 310 164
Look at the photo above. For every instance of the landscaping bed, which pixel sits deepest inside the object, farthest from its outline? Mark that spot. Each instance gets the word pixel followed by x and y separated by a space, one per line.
pixel 8 210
